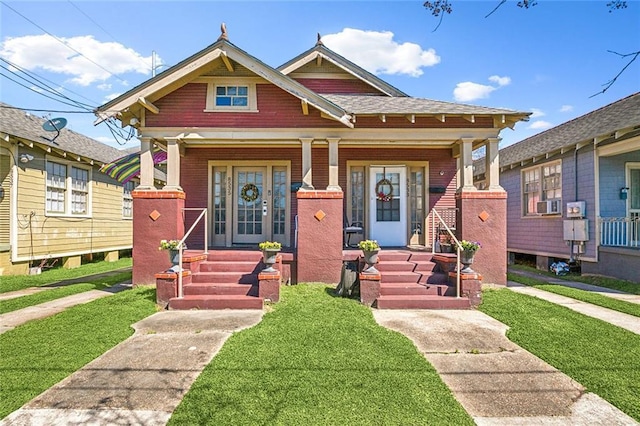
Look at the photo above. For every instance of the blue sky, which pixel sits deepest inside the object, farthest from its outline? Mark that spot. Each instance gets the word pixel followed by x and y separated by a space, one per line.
pixel 548 59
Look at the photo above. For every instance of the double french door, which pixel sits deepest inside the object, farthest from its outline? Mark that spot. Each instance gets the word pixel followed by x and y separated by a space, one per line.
pixel 250 204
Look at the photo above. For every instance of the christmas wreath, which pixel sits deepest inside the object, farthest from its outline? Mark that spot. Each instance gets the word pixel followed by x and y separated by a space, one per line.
pixel 249 192
pixel 380 194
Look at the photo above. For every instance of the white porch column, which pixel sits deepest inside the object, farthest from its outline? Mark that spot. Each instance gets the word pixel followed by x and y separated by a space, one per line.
pixel 333 165
pixel 173 165
pixel 146 164
pixel 307 181
pixel 466 165
pixel 492 165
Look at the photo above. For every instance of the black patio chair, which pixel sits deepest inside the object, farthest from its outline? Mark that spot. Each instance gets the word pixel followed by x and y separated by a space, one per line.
pixel 350 229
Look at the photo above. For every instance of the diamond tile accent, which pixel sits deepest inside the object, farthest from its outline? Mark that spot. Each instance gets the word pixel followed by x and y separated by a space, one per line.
pixel 320 215
pixel 483 216
pixel 154 215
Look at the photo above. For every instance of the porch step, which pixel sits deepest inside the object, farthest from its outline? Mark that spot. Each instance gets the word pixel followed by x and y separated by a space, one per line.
pixel 422 302
pixel 216 302
pixel 235 256
pixel 225 277
pixel 230 266
pixel 406 266
pixel 200 289
pixel 402 289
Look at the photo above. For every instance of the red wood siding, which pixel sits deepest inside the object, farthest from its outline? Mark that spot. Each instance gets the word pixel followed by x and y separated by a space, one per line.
pixel 338 86
pixel 421 123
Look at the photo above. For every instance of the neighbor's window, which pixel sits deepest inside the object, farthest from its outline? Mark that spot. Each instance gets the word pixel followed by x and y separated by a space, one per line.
pixel 127 199
pixel 232 96
pixel 67 189
pixel 541 183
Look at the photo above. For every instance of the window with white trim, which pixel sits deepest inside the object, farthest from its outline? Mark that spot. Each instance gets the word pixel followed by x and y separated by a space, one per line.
pixel 541 183
pixel 67 189
pixel 127 199
pixel 231 95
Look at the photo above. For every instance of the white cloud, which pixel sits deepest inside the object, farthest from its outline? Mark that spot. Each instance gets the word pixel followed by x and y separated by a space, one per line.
pixel 566 108
pixel 378 53
pixel 46 53
pixel 537 113
pixel 502 81
pixel 104 86
pixel 468 91
pixel 539 125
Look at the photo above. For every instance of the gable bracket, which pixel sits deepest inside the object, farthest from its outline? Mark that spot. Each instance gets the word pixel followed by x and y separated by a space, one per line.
pixel 470 118
pixel 440 117
pixel 383 118
pixel 227 62
pixel 148 105
pixel 411 118
pixel 305 106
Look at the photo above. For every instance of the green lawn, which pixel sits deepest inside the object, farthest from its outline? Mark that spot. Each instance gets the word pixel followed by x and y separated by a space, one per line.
pixel 602 357
pixel 318 359
pixel 40 353
pixel 19 282
pixel 583 295
pixel 613 283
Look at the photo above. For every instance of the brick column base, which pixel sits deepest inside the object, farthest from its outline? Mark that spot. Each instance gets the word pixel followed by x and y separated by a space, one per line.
pixel 369 288
pixel 470 286
pixel 167 286
pixel 269 286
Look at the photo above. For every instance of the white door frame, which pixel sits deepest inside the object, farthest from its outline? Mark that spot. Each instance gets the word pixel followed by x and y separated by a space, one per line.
pixel 389 228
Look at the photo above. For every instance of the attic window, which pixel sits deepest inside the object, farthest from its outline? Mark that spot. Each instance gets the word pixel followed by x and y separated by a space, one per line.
pixel 232 95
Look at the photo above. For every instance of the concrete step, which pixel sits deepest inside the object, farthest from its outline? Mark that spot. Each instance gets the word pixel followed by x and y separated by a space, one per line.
pixel 231 266
pixel 216 302
pixel 225 277
pixel 400 277
pixel 422 302
pixel 202 289
pixel 234 256
pixel 407 289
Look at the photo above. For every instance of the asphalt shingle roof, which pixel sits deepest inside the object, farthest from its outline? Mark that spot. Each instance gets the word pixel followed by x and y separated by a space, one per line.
pixel 367 104
pixel 27 126
pixel 604 121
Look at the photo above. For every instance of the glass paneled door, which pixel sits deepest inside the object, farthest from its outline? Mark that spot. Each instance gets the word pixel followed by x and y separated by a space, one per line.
pixel 388 206
pixel 250 206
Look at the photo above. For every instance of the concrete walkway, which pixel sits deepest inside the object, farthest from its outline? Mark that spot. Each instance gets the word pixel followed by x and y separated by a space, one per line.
pixel 141 380
pixel 496 381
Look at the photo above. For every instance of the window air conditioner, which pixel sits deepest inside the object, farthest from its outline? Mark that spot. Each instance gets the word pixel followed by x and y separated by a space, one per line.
pixel 548 207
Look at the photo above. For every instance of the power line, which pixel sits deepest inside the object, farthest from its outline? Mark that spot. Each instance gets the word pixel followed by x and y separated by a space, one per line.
pixel 65 44
pixel 57 111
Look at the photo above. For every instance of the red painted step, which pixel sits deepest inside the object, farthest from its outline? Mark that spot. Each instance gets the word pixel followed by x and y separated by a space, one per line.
pixel 422 302
pixel 230 266
pixel 220 289
pixel 402 289
pixel 225 277
pixel 216 302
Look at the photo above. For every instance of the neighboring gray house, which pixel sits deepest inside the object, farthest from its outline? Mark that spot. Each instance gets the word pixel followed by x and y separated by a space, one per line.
pixel 589 213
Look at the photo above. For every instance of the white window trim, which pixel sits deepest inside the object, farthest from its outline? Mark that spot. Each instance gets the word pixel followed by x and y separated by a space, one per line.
pixel 523 213
pixel 68 202
pixel 128 199
pixel 252 101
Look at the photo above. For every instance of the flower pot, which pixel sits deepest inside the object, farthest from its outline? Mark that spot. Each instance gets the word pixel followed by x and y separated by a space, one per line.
pixel 174 257
pixel 269 258
pixel 370 258
pixel 466 259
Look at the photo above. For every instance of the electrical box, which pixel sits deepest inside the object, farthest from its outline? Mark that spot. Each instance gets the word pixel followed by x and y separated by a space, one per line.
pixel 576 230
pixel 576 209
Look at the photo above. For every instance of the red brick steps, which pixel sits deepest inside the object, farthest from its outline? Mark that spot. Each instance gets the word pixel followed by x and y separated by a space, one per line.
pixel 422 302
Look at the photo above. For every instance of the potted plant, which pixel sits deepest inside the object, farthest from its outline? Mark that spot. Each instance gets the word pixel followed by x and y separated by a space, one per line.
pixel 446 245
pixel 370 250
pixel 174 250
pixel 469 249
pixel 270 250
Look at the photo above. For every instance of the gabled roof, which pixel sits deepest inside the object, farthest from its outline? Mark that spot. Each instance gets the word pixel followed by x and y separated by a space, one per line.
pixel 193 66
pixel 593 127
pixel 364 104
pixel 28 128
pixel 322 52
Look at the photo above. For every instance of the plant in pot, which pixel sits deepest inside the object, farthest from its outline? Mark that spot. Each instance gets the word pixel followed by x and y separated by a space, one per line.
pixel 469 249
pixel 370 250
pixel 174 251
pixel 446 244
pixel 270 250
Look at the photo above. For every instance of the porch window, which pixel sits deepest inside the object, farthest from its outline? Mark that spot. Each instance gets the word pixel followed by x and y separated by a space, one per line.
pixel 416 199
pixel 68 189
pixel 541 183
pixel 127 199
pixel 219 200
pixel 357 195
pixel 279 201
pixel 232 96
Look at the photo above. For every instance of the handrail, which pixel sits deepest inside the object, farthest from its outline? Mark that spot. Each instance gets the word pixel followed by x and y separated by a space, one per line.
pixel 181 244
pixel 458 245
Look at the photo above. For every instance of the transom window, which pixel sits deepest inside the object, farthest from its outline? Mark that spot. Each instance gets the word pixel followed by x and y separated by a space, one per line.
pixel 67 189
pixel 232 96
pixel 541 183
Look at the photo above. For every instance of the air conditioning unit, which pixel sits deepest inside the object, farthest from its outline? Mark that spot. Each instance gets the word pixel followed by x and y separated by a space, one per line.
pixel 548 207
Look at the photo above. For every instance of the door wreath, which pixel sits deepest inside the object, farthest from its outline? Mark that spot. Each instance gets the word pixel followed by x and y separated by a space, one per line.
pixel 249 192
pixel 380 194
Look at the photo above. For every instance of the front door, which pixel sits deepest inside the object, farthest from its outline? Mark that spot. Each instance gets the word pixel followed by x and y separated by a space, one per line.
pixel 388 205
pixel 249 207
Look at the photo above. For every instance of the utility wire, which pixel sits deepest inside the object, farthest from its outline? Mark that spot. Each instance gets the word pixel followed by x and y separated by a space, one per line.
pixel 61 41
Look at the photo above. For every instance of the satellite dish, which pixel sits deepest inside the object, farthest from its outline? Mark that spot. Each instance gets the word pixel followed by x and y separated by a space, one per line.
pixel 55 124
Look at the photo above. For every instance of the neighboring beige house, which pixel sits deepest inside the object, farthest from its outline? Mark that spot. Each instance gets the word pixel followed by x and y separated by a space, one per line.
pixel 55 205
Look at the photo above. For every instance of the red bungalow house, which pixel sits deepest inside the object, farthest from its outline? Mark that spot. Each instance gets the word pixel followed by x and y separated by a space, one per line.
pixel 292 154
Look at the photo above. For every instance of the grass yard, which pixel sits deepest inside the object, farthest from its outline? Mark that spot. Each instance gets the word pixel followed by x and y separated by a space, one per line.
pixel 40 353
pixel 318 359
pixel 602 357
pixel 613 283
pixel 19 282
pixel 583 295
pixel 10 305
